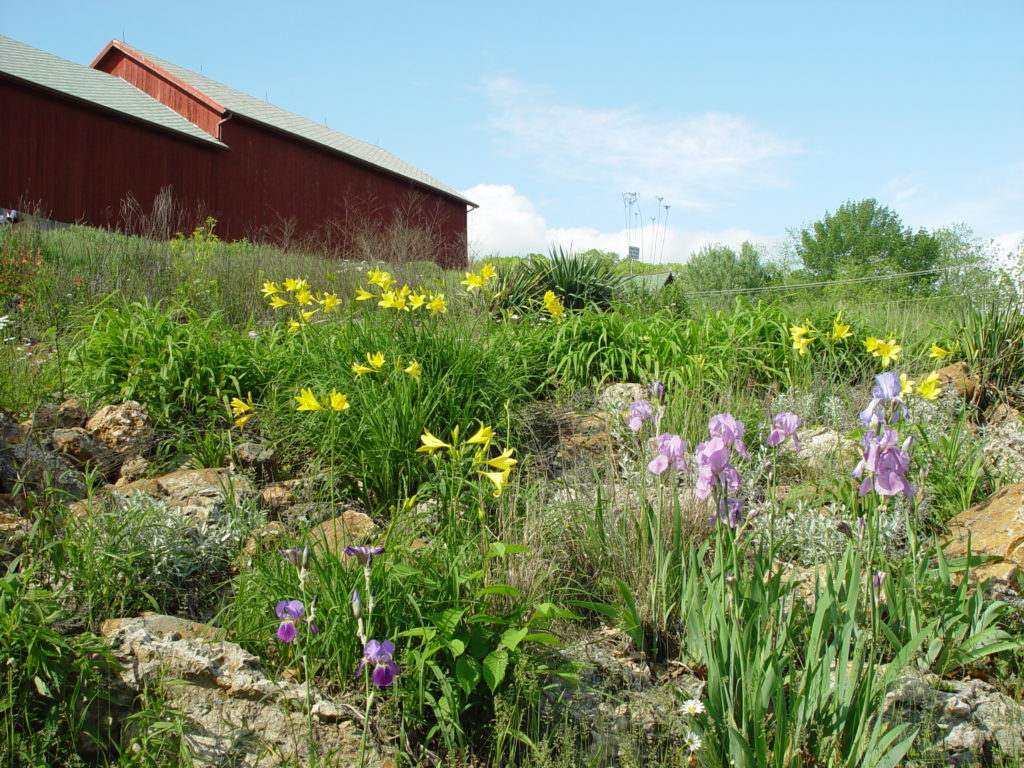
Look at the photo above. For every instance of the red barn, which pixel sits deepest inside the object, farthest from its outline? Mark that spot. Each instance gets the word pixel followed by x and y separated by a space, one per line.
pixel 80 140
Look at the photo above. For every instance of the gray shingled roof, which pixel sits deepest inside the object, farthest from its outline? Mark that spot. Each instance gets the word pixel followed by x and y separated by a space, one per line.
pixel 34 66
pixel 263 112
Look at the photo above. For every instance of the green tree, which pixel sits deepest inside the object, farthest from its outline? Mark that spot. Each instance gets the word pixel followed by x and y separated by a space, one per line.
pixel 865 239
pixel 718 268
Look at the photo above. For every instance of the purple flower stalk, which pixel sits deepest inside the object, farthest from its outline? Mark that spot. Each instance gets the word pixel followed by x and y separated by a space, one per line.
pixel 640 411
pixel 884 466
pixel 784 425
pixel 886 392
pixel 364 555
pixel 716 474
pixel 378 655
pixel 657 390
pixel 671 452
pixel 726 427
pixel 291 613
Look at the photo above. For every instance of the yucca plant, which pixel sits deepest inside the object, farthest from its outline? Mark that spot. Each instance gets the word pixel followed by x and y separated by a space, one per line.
pixel 579 280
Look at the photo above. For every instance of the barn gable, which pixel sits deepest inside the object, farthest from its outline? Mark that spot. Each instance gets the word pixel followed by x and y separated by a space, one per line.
pixel 207 103
pixel 134 125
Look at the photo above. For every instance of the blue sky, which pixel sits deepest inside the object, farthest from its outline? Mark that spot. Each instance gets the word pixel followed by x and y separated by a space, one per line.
pixel 749 119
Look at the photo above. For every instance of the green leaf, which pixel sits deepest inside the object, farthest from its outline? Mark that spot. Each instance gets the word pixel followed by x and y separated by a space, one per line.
pixel 542 637
pixel 42 687
pixel 456 646
pixel 511 638
pixel 495 664
pixel 552 611
pixel 498 549
pixel 467 673
pixel 499 589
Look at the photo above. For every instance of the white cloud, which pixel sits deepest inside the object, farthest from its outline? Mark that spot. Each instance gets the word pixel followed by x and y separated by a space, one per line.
pixel 692 160
pixel 508 224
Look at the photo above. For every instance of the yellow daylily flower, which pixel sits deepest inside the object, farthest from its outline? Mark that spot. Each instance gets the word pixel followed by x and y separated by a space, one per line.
pixel 416 300
pixel 270 288
pixel 392 300
pixel 329 302
pixel 291 284
pixel 472 282
pixel 360 369
pixel 800 343
pixel 906 385
pixel 413 369
pixel 338 401
pixel 840 330
pixel 278 301
pixel 431 443
pixel 294 326
pixel 307 314
pixel 303 297
pixel 553 305
pixel 242 410
pixel 488 272
pixel 381 278
pixel 483 436
pixel 307 401
pixel 938 352
pixel 405 291
pixel 871 343
pixel 504 462
pixel 437 304
pixel 930 386
pixel 363 295
pixel 500 480
pixel 376 360
pixel 888 350
pixel 798 331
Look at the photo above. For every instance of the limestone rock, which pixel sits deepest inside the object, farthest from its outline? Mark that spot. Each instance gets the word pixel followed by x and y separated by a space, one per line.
pixel 71 414
pixel 346 530
pixel 963 721
pixel 164 627
pixel 583 436
pixel 125 428
pixel 134 468
pixel 824 447
pixel 618 397
pixel 235 715
pixel 11 432
pixel 957 378
pixel 40 468
pixel 995 527
pixel 82 447
pixel 262 539
pixel 258 458
pixel 198 493
pixel 277 498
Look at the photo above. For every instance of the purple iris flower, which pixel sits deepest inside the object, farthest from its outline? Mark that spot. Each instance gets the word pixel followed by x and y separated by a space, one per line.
pixel 671 451
pixel 887 389
pixel 384 668
pixel 657 390
pixel 784 425
pixel 884 466
pixel 639 412
pixel 713 468
pixel 291 613
pixel 364 555
pixel 878 579
pixel 725 426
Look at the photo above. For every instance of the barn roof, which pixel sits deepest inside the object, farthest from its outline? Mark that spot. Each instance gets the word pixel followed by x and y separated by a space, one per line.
pixel 243 104
pixel 23 62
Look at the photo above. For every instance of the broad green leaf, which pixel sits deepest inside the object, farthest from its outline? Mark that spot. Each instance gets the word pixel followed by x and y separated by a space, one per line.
pixel 467 673
pixel 499 589
pixel 494 666
pixel 511 638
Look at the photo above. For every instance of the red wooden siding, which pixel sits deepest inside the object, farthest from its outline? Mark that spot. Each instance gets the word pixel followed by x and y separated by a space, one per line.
pixel 187 102
pixel 78 161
